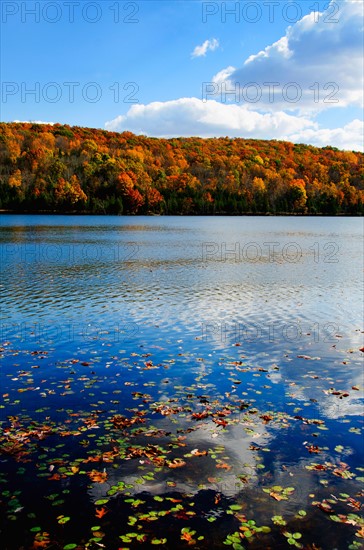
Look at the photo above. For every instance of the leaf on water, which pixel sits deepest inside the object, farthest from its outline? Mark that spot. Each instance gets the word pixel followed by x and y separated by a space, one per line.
pixel 276 496
pixel 354 503
pixel 102 501
pixel 220 422
pixel 101 512
pixel 313 449
pixel 343 472
pixel 196 452
pixel 97 477
pixel 200 416
pixel 223 466
pixel 187 535
pixel 217 498
pixel 324 506
pixel 54 477
pixel 176 463
pixel 62 520
pixel 319 467
pixel 278 520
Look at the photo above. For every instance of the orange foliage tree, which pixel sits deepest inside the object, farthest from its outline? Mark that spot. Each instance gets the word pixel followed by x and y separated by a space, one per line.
pixel 61 167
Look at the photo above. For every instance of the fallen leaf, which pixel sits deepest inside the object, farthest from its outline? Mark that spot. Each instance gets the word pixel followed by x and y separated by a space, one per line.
pixel 196 452
pixel 324 506
pixel 176 463
pixel 223 466
pixel 276 496
pixel 100 512
pixel 98 477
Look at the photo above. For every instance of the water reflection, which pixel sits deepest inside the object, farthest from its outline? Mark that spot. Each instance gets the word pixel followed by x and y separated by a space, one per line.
pixel 105 316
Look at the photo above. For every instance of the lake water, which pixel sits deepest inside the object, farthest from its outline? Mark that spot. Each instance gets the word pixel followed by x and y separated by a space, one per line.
pixel 171 380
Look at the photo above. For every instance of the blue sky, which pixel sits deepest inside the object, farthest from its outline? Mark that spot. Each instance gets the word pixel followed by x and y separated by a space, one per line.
pixel 267 69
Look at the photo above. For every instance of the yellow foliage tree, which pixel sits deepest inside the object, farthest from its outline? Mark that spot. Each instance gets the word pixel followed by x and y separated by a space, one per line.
pixel 69 191
pixel 16 179
pixel 258 185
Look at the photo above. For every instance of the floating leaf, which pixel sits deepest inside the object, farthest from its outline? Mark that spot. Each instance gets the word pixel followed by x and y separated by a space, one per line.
pixel 102 501
pixel 100 512
pixel 98 477
pixel 276 496
pixel 63 520
pixel 176 463
pixel 278 520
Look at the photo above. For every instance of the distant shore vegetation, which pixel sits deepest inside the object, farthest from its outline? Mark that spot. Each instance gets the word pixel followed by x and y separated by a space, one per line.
pixel 62 169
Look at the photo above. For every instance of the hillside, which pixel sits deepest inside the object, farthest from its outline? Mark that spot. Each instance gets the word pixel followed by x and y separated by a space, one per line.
pixel 70 169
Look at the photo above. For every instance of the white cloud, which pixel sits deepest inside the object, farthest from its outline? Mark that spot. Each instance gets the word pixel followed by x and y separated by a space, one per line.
pixel 195 117
pixel 224 75
pixel 350 137
pixel 314 52
pixel 208 45
pixel 278 49
pixel 34 122
pixel 318 60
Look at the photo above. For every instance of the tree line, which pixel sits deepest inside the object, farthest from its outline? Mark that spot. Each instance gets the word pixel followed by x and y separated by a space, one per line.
pixel 60 168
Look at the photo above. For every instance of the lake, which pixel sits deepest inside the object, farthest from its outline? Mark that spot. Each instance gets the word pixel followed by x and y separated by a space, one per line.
pixel 181 381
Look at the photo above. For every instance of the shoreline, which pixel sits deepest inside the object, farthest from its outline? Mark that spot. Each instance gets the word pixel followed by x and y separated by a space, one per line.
pixel 217 215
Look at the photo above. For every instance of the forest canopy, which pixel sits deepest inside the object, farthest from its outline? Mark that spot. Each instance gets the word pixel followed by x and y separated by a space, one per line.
pixel 60 168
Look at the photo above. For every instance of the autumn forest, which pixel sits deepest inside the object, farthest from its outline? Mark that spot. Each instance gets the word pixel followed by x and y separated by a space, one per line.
pixel 59 168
